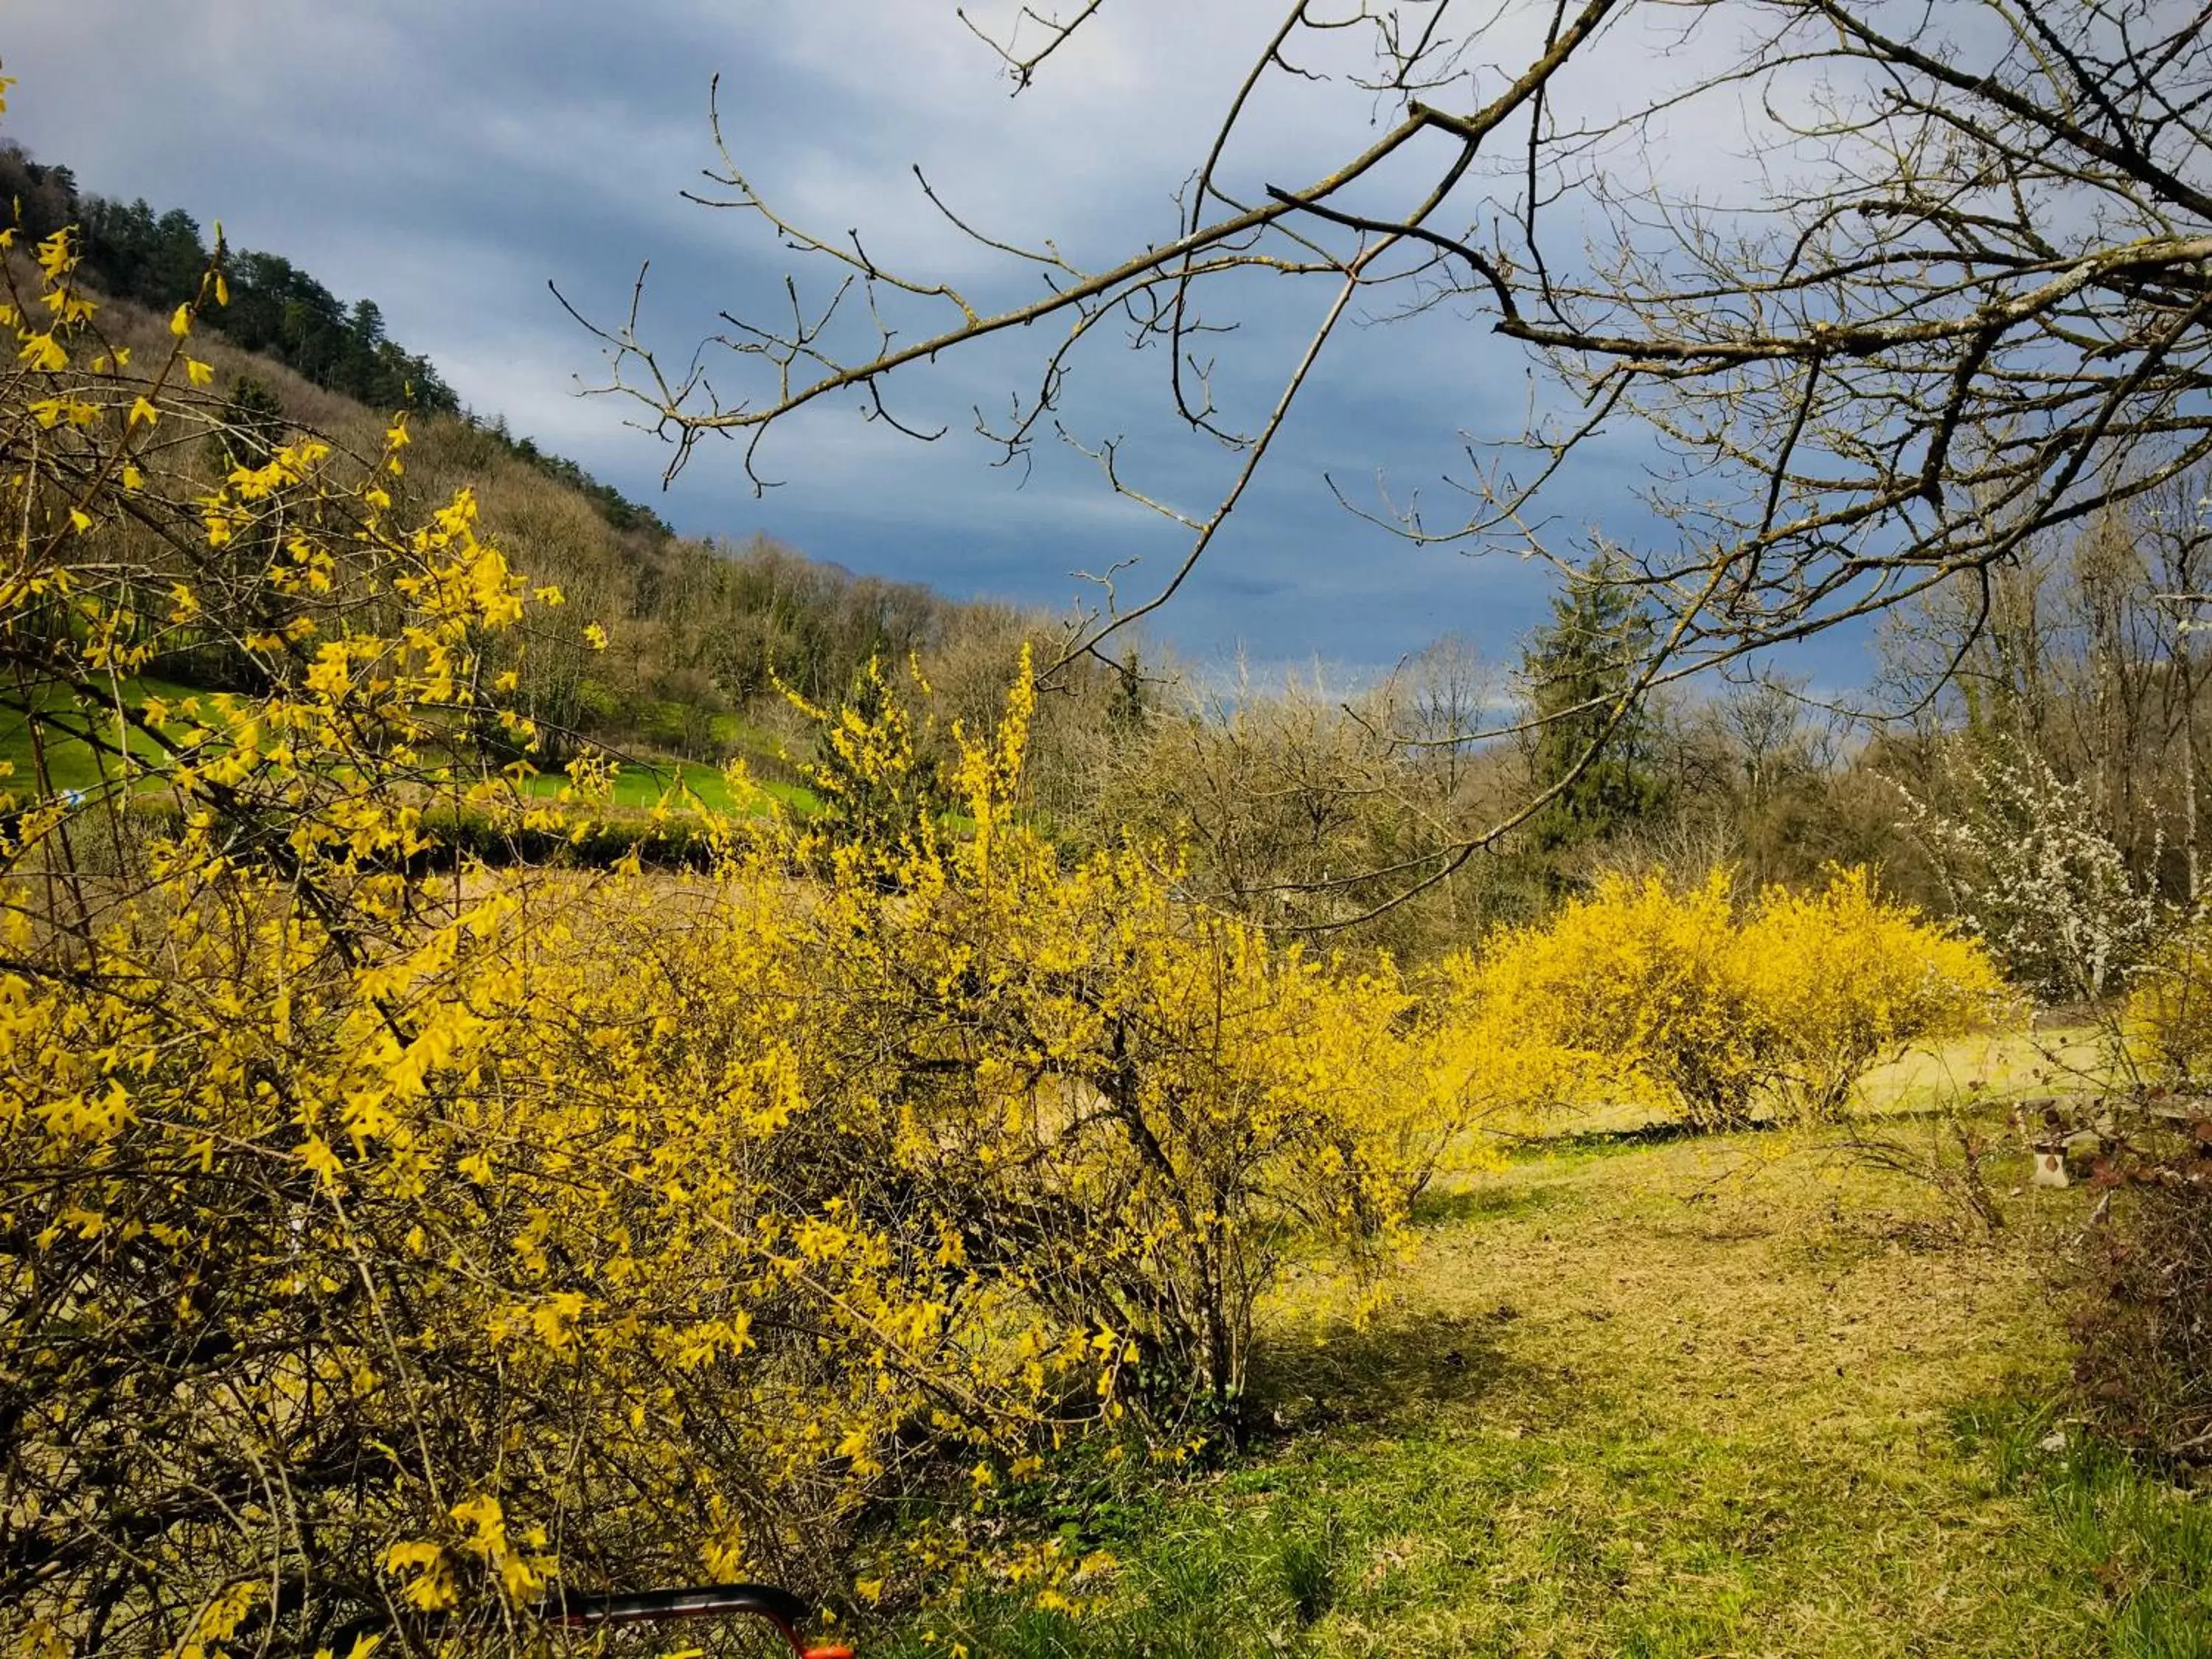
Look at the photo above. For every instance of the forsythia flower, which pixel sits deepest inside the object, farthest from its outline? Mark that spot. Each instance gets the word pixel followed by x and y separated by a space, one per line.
pixel 489 1199
pixel 1683 1000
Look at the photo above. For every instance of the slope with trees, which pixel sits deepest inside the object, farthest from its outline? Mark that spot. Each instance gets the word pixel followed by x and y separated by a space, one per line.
pixel 274 309
pixel 703 637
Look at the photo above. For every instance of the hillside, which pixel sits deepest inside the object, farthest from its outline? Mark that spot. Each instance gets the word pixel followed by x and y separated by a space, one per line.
pixel 703 638
pixel 277 311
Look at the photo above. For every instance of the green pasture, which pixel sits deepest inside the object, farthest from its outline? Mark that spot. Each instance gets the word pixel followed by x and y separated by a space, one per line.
pixel 74 762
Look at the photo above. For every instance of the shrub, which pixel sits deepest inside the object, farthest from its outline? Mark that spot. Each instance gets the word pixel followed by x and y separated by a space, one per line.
pixel 1128 1109
pixel 1682 999
pixel 1840 978
pixel 381 1241
pixel 2145 1319
pixel 2022 855
pixel 2144 1323
pixel 2168 1023
pixel 1633 992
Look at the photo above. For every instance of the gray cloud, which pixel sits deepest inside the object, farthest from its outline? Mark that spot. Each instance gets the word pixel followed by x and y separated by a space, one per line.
pixel 447 160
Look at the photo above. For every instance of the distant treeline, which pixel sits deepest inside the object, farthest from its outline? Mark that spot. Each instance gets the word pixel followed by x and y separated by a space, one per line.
pixel 275 309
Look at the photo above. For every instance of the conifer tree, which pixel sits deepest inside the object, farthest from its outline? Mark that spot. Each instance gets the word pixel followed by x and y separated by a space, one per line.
pixel 1578 669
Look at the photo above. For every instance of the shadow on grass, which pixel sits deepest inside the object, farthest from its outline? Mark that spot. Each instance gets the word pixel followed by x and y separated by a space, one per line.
pixel 1666 1134
pixel 1396 1370
pixel 1495 1200
pixel 1991 1105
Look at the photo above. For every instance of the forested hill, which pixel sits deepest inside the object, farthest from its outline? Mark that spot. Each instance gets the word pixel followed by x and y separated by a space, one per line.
pixel 276 310
pixel 669 649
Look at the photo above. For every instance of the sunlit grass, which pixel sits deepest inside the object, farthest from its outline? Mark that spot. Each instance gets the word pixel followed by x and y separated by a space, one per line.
pixel 2003 1061
pixel 683 785
pixel 1735 1395
pixel 73 763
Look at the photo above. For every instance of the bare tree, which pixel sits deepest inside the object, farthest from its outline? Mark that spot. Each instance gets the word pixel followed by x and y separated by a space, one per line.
pixel 2081 652
pixel 1958 296
pixel 1284 798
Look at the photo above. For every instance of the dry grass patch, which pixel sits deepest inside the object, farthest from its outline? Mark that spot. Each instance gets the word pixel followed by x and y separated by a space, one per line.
pixel 2005 1062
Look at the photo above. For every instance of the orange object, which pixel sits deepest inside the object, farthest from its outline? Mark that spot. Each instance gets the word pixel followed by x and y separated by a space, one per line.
pixel 828 1653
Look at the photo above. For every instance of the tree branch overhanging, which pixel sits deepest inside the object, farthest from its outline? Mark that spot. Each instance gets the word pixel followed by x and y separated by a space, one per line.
pixel 1960 301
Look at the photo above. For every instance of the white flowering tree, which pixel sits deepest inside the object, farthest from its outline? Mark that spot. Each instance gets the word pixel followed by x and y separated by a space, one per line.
pixel 2022 856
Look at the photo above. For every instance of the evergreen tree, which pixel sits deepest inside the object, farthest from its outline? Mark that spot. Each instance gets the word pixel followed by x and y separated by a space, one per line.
pixel 1129 698
pixel 1577 669
pixel 252 426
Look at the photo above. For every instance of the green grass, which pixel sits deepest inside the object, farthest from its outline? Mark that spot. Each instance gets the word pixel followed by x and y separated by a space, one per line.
pixel 2143 1543
pixel 71 762
pixel 1729 1396
pixel 640 785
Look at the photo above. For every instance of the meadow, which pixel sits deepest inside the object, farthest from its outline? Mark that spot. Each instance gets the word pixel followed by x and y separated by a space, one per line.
pixel 635 786
pixel 1650 1395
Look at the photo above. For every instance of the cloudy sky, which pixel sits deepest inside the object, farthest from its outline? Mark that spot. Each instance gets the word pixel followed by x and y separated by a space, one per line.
pixel 448 160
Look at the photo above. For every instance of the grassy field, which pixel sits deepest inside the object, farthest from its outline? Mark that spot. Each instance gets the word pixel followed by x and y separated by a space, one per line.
pixel 72 764
pixel 643 785
pixel 1661 1398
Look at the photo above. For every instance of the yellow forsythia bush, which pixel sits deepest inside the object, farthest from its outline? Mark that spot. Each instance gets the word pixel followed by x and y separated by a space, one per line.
pixel 1690 1002
pixel 387 1238
pixel 1841 979
pixel 1630 994
pixel 2169 1012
